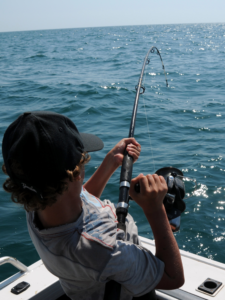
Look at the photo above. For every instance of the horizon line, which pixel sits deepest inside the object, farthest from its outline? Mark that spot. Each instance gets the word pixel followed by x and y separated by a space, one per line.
pixel 110 26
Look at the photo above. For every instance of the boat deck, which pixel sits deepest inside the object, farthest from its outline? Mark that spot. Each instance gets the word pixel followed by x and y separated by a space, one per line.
pixel 45 286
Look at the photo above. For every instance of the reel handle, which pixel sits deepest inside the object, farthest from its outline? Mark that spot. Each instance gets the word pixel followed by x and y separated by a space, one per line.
pixel 173 213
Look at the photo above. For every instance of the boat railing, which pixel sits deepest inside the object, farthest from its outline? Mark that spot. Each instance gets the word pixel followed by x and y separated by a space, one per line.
pixel 13 261
pixel 16 263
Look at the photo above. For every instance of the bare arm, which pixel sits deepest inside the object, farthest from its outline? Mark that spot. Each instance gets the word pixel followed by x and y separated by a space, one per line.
pixel 153 189
pixel 96 184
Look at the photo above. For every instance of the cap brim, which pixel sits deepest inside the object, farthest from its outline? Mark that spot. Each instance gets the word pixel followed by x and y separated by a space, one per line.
pixel 91 142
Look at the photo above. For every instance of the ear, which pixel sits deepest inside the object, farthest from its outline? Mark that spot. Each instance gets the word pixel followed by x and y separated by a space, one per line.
pixel 78 178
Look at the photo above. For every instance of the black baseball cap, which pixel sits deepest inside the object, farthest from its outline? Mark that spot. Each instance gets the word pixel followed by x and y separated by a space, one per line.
pixel 45 145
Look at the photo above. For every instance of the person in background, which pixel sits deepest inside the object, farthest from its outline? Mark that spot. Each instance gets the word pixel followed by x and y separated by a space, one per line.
pixel 73 231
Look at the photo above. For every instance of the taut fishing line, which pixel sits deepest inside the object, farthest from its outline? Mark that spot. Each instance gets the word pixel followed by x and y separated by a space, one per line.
pixel 153 49
pixel 149 137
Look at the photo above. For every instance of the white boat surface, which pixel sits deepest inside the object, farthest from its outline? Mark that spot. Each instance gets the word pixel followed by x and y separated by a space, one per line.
pixel 197 269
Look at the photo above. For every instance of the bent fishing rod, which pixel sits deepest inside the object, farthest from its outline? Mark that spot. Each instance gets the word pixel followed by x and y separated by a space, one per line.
pixel 127 165
pixel 173 201
pixel 113 288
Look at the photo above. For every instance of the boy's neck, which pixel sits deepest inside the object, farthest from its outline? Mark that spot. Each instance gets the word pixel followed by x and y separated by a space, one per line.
pixel 65 210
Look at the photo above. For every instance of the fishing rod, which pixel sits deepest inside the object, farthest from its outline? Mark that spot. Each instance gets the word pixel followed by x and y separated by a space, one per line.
pixel 173 201
pixel 113 288
pixel 127 164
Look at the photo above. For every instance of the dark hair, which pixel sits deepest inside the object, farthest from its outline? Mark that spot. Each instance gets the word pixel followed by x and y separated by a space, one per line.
pixel 32 201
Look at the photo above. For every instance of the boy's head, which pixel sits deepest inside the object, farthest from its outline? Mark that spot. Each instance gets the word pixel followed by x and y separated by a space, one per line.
pixel 40 150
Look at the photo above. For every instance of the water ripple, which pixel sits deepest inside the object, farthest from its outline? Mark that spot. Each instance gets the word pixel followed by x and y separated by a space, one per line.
pixel 90 74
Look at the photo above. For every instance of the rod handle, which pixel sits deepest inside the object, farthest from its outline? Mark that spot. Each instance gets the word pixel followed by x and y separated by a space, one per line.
pixel 126 169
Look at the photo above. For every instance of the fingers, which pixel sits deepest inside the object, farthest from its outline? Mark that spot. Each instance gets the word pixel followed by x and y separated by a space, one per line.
pixel 134 152
pixel 153 189
pixel 131 141
pixel 133 148
pixel 162 179
pixel 117 152
pixel 136 180
pixel 161 183
pixel 133 182
pixel 146 183
pixel 156 179
pixel 150 183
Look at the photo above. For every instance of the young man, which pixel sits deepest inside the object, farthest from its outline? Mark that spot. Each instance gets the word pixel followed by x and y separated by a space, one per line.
pixel 73 231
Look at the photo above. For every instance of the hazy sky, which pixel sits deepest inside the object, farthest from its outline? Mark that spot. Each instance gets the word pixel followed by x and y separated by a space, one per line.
pixel 50 14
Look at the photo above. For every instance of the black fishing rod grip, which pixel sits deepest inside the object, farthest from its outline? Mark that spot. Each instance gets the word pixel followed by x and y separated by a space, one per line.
pixel 125 179
pixel 126 169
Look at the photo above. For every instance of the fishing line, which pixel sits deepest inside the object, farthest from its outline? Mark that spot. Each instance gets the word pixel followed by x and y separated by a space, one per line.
pixel 149 137
pixel 127 164
pixel 163 67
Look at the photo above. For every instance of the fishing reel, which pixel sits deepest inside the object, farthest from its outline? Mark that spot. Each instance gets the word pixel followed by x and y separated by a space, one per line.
pixel 173 200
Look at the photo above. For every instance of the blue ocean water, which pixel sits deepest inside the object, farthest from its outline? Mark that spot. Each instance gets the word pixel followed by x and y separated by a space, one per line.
pixel 90 74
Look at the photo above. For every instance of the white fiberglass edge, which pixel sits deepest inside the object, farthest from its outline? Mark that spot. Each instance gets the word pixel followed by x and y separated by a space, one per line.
pixel 196 270
pixel 45 286
pixel 183 253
